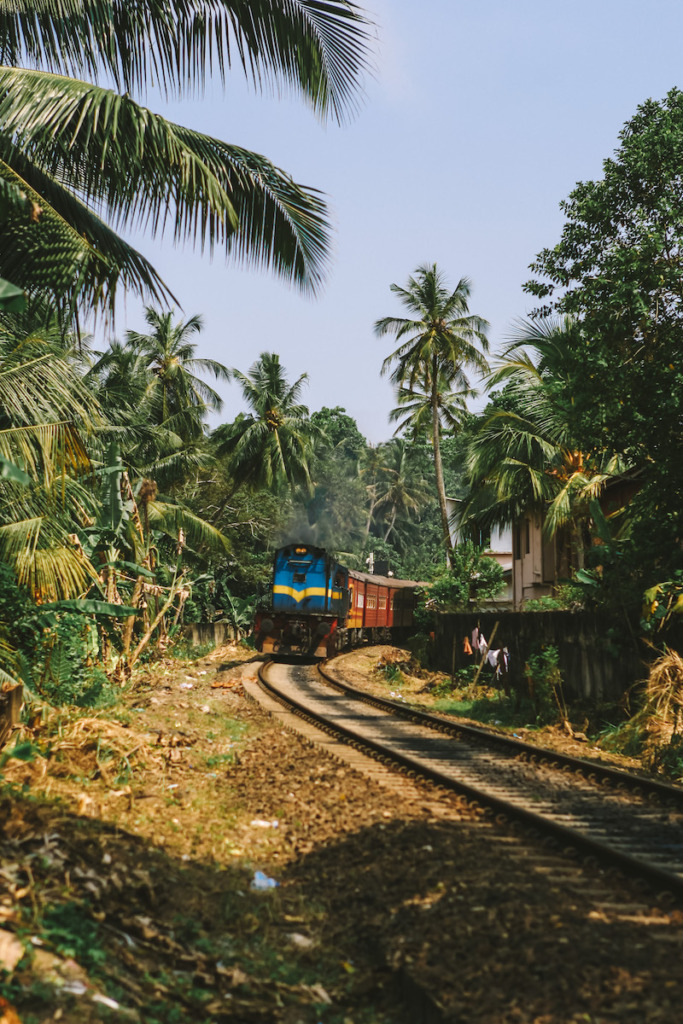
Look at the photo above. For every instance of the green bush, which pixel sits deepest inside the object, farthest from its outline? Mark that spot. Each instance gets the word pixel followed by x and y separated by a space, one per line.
pixel 544 677
pixel 65 669
pixel 473 578
pixel 543 604
pixel 462 680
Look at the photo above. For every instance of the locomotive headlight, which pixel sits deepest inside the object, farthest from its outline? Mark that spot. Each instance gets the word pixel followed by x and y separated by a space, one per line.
pixel 267 625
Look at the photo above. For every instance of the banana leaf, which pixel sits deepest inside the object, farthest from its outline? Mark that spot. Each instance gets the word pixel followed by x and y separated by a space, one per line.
pixel 87 606
pixel 12 299
pixel 138 570
pixel 8 471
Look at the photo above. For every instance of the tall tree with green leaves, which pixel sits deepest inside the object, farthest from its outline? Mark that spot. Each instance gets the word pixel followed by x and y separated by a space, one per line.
pixel 413 411
pixel 272 446
pixel 89 159
pixel 616 270
pixel 438 344
pixel 402 492
pixel 334 510
pixel 154 392
pixel 179 397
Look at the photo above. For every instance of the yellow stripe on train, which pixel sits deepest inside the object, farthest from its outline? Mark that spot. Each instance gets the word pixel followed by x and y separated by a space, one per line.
pixel 299 595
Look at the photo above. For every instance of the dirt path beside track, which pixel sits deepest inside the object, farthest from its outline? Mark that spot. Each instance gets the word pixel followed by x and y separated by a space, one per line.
pixel 131 844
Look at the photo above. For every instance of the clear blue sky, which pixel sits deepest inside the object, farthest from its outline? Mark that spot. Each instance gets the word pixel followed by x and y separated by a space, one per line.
pixel 479 120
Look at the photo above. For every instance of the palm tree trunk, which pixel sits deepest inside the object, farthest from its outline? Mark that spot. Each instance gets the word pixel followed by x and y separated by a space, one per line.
pixel 391 524
pixel 368 523
pixel 219 512
pixel 438 468
pixel 577 530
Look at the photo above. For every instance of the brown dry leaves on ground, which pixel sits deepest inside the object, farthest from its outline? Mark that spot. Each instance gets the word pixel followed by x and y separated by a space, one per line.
pixel 129 848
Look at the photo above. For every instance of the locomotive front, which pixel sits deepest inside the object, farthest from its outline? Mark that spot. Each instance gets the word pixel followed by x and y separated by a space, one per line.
pixel 310 600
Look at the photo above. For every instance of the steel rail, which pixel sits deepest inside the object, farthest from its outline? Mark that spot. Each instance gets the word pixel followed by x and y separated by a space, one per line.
pixel 594 771
pixel 564 835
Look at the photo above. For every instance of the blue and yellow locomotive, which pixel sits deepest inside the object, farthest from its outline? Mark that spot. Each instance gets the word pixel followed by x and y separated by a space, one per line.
pixel 319 606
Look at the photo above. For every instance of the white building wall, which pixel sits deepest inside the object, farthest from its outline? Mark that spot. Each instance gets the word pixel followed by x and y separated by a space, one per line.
pixel 499 547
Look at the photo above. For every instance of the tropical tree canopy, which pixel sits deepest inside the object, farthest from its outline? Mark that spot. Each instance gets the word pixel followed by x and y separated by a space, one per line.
pixel 273 445
pixel 170 358
pixel 437 345
pixel 155 396
pixel 522 455
pixel 401 492
pixel 616 271
pixel 88 160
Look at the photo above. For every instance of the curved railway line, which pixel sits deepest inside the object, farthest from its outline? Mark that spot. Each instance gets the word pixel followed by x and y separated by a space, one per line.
pixel 624 821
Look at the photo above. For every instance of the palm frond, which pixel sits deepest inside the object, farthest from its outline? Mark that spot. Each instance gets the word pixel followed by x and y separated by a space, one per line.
pixel 46 450
pixel 317 47
pixel 171 519
pixel 46 389
pixel 49 570
pixel 150 172
pixel 62 248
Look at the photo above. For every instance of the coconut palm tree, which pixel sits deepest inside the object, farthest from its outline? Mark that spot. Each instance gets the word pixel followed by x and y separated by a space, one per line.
pixel 273 445
pixel 180 398
pixel 437 345
pixel 88 159
pixel 370 467
pixel 413 410
pixel 402 492
pixel 155 398
pixel 127 391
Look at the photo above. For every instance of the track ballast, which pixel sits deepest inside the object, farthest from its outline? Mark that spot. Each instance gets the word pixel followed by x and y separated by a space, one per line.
pixel 631 823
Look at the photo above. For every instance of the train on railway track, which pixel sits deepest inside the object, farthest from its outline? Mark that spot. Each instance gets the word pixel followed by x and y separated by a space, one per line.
pixel 319 606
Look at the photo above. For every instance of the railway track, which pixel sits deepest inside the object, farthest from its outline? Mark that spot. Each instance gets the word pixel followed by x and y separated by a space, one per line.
pixel 624 821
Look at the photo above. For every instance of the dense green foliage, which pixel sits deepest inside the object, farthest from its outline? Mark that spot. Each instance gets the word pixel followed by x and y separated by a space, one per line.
pixel 616 272
pixel 472 579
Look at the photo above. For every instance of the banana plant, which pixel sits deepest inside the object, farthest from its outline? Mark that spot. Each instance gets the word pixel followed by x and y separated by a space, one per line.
pixel 239 612
pixel 131 524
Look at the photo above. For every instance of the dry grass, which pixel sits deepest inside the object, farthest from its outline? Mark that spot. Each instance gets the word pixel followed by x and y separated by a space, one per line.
pixel 663 709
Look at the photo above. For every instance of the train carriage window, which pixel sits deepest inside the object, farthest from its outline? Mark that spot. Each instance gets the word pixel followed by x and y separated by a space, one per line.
pixel 393 601
pixel 372 603
pixel 382 602
pixel 361 600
